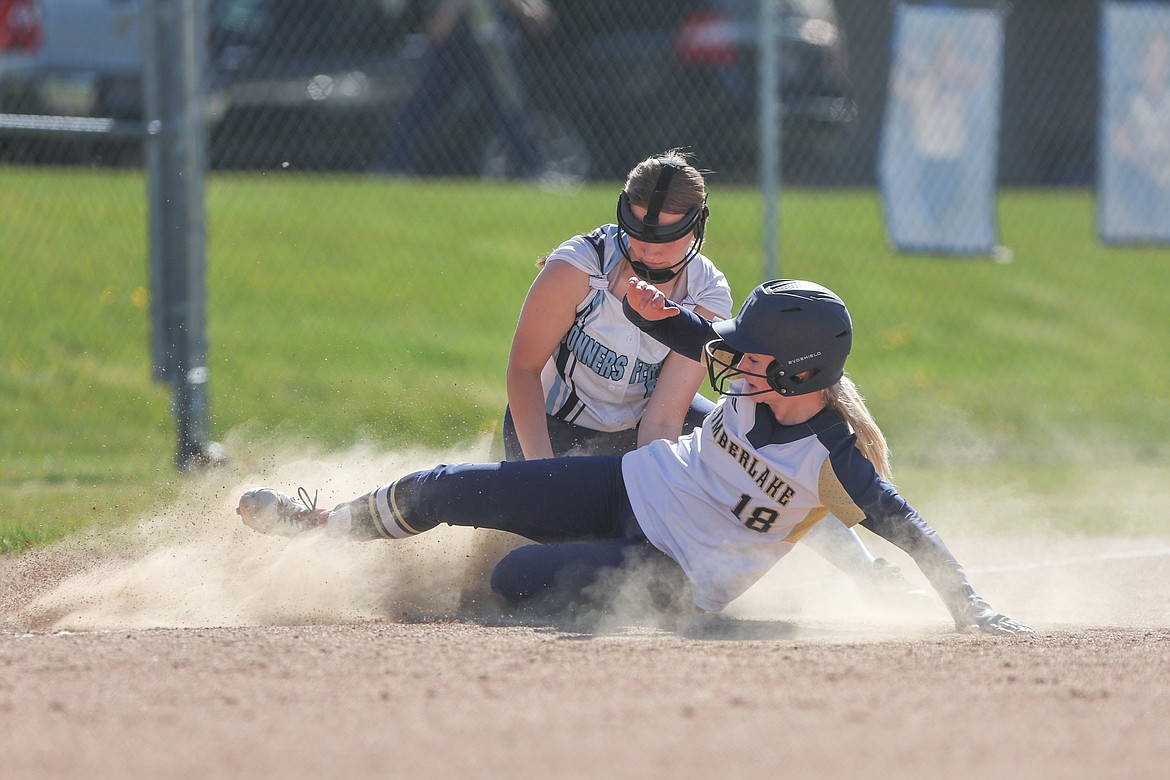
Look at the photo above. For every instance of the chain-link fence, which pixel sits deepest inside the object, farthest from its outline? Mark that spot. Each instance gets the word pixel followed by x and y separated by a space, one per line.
pixel 501 89
pixel 571 91
pixel 575 91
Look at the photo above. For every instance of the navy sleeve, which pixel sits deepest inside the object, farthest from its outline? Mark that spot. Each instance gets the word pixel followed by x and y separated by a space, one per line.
pixel 900 524
pixel 889 516
pixel 686 333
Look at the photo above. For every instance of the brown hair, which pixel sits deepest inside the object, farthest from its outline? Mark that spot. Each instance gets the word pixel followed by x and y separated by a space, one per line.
pixel 687 189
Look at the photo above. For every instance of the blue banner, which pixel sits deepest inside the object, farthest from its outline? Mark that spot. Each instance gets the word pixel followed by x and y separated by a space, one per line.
pixel 940 137
pixel 1133 174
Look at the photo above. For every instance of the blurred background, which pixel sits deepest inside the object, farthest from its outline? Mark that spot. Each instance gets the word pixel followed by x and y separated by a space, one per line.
pixel 381 176
pixel 323 86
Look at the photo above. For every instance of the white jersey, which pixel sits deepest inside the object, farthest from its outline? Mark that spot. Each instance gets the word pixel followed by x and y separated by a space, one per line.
pixel 605 369
pixel 729 500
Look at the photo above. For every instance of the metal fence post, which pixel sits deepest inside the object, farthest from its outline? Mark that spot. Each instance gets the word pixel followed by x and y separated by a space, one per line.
pixel 176 155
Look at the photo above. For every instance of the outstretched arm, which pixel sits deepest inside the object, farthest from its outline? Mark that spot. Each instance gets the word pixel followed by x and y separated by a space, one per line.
pixel 664 320
pixel 907 530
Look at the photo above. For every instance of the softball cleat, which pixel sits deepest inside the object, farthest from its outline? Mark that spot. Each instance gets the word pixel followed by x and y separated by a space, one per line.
pixel 272 512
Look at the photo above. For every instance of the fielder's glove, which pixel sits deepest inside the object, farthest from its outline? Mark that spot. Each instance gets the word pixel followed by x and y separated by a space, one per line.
pixel 988 621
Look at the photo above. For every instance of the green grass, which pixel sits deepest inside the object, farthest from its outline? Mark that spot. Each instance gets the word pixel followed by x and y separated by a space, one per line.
pixel 347 309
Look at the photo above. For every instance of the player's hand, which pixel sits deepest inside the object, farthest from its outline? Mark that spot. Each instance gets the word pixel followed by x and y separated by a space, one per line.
pixel 648 300
pixel 988 621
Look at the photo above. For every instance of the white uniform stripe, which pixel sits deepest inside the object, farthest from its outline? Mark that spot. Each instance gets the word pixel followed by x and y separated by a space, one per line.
pixel 377 502
pixel 389 515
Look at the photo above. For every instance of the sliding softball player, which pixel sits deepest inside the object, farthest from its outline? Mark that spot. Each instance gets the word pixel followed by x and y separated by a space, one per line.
pixel 789 441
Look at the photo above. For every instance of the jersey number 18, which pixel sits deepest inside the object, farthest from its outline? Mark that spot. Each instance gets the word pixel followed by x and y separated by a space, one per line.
pixel 760 519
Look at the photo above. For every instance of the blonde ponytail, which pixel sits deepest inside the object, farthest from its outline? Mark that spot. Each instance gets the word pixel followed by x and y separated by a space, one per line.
pixel 847 400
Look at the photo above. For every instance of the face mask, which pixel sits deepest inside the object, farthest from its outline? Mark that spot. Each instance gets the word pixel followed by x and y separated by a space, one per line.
pixel 648 229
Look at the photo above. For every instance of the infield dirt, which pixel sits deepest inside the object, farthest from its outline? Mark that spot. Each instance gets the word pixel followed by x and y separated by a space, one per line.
pixel 184 645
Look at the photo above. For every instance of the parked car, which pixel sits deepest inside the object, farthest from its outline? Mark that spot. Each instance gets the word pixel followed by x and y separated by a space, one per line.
pixel 91 61
pixel 21 27
pixel 310 85
pixel 315 86
pixel 685 74
pixel 22 31
pixel 87 62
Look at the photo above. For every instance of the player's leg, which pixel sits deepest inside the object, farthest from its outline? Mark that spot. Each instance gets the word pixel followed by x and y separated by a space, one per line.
pixel 512 448
pixel 701 406
pixel 841 546
pixel 554 500
pixel 569 440
pixel 559 577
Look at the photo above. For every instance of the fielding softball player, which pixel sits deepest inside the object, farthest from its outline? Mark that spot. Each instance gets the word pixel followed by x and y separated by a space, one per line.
pixel 584 380
pixel 789 441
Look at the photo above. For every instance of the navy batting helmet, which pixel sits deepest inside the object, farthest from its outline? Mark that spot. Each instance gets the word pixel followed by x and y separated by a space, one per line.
pixel 803 325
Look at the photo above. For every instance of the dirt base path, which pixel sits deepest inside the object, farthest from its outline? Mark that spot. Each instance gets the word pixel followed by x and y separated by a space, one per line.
pixel 466 700
pixel 188 646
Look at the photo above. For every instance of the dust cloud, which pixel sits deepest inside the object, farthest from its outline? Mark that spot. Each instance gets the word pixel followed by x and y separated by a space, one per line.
pixel 194 565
